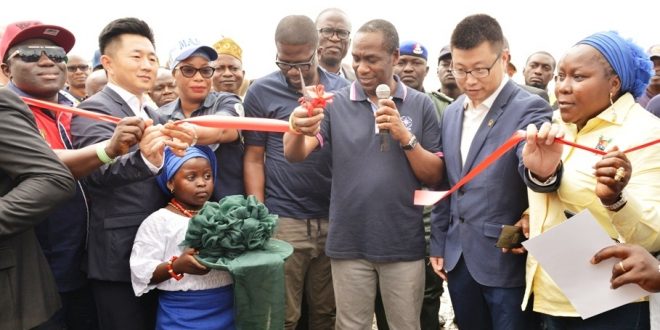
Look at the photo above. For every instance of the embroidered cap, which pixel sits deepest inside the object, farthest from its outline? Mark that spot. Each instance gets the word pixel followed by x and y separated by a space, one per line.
pixel 229 47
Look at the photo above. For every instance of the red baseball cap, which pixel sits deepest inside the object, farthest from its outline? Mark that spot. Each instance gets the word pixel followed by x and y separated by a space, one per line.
pixel 18 32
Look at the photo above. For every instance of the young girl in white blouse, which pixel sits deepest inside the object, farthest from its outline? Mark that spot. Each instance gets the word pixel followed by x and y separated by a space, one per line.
pixel 191 296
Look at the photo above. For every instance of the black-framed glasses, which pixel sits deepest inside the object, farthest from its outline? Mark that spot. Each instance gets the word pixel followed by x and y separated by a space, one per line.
pixel 329 32
pixel 74 68
pixel 477 73
pixel 190 71
pixel 301 66
pixel 31 54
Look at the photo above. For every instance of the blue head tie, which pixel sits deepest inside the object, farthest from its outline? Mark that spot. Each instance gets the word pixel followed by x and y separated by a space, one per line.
pixel 628 60
pixel 172 164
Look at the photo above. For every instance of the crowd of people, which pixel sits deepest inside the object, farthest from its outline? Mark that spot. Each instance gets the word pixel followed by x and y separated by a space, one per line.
pixel 92 213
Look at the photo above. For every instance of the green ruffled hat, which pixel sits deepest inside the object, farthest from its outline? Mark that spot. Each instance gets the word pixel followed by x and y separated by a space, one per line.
pixel 235 235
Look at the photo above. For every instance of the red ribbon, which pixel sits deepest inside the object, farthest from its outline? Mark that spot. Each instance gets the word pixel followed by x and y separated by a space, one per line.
pixel 75 111
pixel 320 100
pixel 428 197
pixel 242 123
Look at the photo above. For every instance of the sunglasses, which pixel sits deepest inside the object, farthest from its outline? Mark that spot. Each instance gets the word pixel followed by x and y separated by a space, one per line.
pixel 31 54
pixel 190 71
pixel 301 66
pixel 74 68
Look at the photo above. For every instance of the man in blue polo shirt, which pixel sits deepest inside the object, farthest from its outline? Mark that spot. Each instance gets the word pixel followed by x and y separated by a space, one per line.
pixel 376 234
pixel 298 193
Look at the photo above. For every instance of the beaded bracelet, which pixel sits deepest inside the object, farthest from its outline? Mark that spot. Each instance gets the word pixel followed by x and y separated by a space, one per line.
pixel 170 269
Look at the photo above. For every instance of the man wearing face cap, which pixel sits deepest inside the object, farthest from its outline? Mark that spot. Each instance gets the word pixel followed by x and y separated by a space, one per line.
pixel 32 184
pixel 34 57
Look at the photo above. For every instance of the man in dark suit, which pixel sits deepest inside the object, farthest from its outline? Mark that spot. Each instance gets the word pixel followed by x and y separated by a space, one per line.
pixel 32 183
pixel 124 191
pixel 486 286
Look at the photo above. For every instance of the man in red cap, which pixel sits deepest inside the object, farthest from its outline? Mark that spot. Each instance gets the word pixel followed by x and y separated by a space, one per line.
pixel 34 59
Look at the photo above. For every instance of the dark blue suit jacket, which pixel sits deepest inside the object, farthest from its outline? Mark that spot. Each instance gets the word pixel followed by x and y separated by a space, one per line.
pixel 122 194
pixel 472 223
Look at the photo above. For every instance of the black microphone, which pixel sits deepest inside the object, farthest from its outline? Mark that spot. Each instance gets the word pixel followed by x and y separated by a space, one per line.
pixel 383 93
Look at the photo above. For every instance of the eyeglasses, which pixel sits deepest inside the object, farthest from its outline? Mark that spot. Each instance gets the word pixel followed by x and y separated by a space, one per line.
pixel 74 68
pixel 477 73
pixel 31 54
pixel 189 71
pixel 301 66
pixel 329 32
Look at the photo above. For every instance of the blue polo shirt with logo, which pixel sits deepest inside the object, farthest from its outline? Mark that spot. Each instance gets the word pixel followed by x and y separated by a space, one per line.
pixel 372 215
pixel 296 190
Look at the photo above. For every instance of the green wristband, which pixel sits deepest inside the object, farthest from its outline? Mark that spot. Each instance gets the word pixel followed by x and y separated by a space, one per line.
pixel 103 156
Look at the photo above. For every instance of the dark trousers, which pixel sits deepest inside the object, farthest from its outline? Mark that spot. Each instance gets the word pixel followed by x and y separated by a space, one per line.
pixel 634 316
pixel 118 307
pixel 77 312
pixel 478 306
pixel 429 318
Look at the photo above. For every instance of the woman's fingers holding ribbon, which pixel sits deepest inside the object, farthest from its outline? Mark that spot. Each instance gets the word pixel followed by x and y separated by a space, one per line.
pixel 612 173
pixel 540 154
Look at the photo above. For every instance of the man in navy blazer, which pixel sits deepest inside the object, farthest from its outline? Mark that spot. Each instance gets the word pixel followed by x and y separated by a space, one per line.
pixel 486 286
pixel 124 191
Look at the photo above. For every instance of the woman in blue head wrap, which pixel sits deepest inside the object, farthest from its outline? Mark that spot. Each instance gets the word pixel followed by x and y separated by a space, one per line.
pixel 191 296
pixel 597 82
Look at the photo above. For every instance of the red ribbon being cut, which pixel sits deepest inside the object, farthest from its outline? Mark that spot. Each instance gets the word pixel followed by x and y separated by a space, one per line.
pixel 75 111
pixel 319 100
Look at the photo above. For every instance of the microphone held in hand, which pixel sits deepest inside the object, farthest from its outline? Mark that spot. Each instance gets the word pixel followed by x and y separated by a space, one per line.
pixel 383 93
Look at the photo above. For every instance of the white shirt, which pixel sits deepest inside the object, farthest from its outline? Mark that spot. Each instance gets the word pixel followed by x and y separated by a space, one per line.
pixel 157 240
pixel 137 105
pixel 472 118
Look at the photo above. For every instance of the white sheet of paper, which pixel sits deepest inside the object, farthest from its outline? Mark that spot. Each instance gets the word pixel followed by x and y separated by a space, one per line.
pixel 565 252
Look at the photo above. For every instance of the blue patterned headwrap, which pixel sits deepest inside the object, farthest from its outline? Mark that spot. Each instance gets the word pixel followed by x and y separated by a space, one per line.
pixel 628 60
pixel 172 164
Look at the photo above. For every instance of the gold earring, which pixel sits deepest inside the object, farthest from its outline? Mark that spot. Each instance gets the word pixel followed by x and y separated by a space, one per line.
pixel 612 106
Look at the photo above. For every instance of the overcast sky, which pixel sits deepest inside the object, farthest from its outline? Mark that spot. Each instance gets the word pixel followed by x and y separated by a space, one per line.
pixel 553 25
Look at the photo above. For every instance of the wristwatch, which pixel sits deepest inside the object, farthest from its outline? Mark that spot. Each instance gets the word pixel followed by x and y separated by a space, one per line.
pixel 620 202
pixel 411 143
